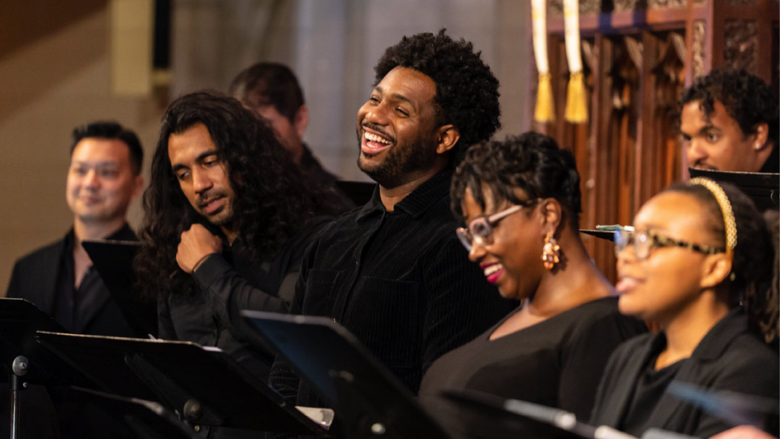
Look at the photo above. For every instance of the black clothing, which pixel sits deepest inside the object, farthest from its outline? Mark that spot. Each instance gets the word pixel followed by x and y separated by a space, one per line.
pixel 772 163
pixel 45 278
pixel 331 201
pixel 400 281
pixel 649 390
pixel 228 283
pixel 556 363
pixel 728 358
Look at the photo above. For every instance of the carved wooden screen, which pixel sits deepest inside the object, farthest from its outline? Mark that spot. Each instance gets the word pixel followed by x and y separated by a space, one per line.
pixel 638 56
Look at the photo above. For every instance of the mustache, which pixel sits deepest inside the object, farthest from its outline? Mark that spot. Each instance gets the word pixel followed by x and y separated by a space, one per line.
pixel 702 165
pixel 209 196
pixel 375 127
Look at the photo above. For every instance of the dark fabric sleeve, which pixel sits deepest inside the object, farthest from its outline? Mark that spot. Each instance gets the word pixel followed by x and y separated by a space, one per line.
pixel 461 303
pixel 585 360
pixel 606 387
pixel 746 372
pixel 165 328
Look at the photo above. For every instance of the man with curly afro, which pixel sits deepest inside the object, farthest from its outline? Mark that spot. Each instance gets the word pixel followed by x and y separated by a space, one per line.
pixel 729 122
pixel 393 271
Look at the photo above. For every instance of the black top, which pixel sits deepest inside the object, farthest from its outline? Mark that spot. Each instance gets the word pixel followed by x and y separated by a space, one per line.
pixel 556 363
pixel 649 389
pixel 772 163
pixel 400 281
pixel 331 200
pixel 728 358
pixel 229 282
pixel 73 303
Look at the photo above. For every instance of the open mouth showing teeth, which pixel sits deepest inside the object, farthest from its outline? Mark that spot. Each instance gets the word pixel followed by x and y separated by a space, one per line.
pixel 378 139
pixel 492 269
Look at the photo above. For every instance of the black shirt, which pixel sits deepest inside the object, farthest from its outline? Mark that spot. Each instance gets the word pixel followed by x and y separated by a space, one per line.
pixel 400 281
pixel 557 362
pixel 73 304
pixel 649 390
pixel 330 201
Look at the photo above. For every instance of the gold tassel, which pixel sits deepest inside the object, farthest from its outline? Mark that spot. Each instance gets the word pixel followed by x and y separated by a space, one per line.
pixel 576 102
pixel 545 106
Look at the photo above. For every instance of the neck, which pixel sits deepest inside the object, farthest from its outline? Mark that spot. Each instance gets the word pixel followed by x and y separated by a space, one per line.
pixel 391 197
pixel 685 330
pixel 571 283
pixel 229 234
pixel 96 230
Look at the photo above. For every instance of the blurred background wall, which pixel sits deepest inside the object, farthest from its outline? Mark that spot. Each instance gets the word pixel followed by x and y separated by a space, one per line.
pixel 67 62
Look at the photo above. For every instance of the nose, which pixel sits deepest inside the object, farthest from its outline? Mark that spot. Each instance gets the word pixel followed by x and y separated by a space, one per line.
pixel 695 152
pixel 200 181
pixel 477 251
pixel 91 180
pixel 625 257
pixel 375 113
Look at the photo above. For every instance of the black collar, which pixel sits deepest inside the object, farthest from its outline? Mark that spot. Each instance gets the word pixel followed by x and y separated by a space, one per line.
pixel 416 203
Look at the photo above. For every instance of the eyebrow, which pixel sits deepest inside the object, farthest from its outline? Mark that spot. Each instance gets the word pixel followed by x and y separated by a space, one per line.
pixel 96 164
pixel 202 156
pixel 400 97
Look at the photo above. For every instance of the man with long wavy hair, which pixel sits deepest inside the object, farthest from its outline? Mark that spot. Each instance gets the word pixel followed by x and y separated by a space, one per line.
pixel 227 219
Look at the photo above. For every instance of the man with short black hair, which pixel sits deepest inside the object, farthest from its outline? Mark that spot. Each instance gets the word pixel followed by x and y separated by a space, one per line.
pixel 729 122
pixel 272 92
pixel 103 178
pixel 393 272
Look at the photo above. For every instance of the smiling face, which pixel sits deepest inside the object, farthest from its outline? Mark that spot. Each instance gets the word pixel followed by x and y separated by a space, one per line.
pixel 512 261
pixel 671 278
pixel 396 128
pixel 101 183
pixel 202 175
pixel 717 142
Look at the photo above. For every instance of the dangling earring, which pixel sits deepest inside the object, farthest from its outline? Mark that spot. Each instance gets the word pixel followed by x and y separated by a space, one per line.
pixel 551 251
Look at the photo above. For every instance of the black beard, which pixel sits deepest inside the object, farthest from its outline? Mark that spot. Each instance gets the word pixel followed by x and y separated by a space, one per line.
pixel 400 162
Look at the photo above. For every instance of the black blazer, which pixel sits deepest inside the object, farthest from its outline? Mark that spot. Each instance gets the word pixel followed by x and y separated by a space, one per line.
pixel 34 278
pixel 729 358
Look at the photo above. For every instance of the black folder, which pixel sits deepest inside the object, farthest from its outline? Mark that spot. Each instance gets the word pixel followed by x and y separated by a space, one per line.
pixel 763 188
pixel 19 321
pixel 205 384
pixel 113 260
pixel 362 391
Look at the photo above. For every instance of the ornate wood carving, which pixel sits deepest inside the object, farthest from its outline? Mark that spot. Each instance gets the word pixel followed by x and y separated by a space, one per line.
pixel 658 4
pixel 740 50
pixel 629 5
pixel 697 55
pixel 741 2
pixel 555 7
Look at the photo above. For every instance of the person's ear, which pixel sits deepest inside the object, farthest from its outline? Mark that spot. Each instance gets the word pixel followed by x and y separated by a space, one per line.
pixel 138 186
pixel 447 137
pixel 551 214
pixel 301 121
pixel 716 269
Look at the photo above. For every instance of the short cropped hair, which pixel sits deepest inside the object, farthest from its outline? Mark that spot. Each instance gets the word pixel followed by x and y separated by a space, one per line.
pixel 268 83
pixel 111 131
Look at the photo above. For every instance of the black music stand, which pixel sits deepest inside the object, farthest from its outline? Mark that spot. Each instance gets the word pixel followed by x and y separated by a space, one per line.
pixel 364 394
pixel 763 188
pixel 206 385
pixel 147 419
pixel 113 260
pixel 25 360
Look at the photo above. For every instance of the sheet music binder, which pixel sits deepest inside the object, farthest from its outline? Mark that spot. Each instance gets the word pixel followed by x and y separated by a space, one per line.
pixel 113 260
pixel 206 385
pixel 363 392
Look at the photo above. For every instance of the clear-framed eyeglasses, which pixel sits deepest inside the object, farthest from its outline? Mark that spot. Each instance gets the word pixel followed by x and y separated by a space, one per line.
pixel 480 229
pixel 645 240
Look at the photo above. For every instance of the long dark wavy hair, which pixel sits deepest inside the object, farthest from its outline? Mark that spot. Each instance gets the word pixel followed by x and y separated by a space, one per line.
pixel 271 203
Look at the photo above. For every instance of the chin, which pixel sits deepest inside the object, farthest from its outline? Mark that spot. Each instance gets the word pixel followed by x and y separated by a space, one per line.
pixel 627 306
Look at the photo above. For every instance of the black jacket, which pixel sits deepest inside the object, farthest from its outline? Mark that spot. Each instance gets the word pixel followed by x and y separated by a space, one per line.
pixel 729 358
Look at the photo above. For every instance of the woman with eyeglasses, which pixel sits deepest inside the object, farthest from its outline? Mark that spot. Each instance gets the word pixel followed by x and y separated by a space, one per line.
pixel 520 200
pixel 699 263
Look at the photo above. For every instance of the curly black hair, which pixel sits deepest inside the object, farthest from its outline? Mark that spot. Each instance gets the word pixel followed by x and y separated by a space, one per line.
pixel 271 202
pixel 747 98
pixel 754 265
pixel 532 162
pixel 466 90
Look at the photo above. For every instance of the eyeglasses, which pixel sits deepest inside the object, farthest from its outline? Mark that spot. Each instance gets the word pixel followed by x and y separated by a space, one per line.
pixel 645 240
pixel 480 229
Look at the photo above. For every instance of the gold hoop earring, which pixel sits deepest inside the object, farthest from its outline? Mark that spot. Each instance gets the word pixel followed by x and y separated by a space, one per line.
pixel 551 251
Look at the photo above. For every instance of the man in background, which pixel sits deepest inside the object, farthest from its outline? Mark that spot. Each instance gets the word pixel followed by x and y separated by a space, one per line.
pixel 729 121
pixel 272 92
